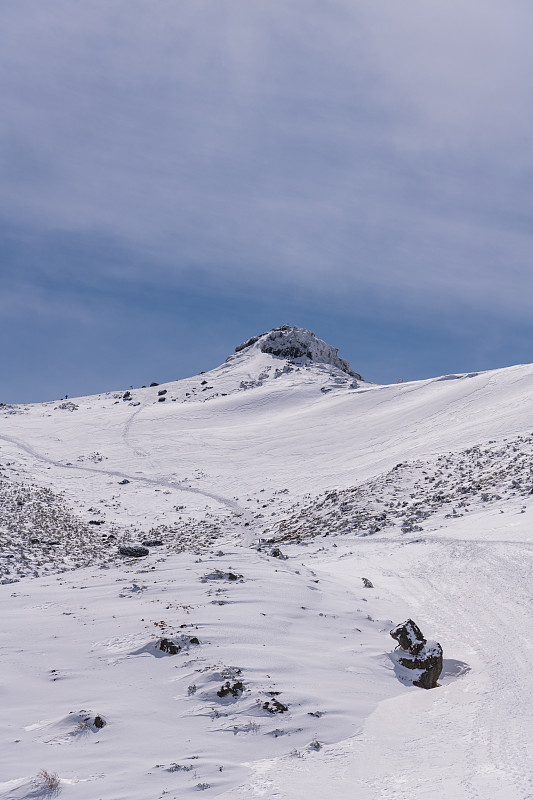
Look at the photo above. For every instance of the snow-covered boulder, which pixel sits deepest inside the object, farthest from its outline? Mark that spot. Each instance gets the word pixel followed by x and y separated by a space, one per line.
pixel 418 654
pixel 300 345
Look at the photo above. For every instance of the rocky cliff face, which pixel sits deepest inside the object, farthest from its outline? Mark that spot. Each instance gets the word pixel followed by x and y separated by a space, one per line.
pixel 300 345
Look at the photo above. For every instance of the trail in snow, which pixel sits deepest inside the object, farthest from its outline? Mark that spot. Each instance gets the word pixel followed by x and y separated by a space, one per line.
pixel 169 484
pixel 127 430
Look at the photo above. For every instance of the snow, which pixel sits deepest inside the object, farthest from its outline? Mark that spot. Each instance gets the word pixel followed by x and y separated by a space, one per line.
pixel 302 514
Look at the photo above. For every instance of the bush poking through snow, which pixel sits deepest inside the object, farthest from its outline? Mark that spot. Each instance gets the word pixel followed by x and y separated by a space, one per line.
pixel 47 783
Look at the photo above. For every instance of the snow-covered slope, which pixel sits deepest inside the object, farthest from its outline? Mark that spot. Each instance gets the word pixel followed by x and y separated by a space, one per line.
pixel 211 443
pixel 422 488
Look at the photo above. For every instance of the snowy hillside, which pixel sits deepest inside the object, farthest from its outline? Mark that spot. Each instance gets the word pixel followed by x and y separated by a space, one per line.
pixel 291 513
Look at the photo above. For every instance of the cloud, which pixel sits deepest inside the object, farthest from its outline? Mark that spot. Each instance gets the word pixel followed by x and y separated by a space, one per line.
pixel 349 147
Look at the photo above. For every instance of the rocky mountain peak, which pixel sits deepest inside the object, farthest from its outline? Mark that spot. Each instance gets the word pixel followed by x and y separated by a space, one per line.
pixel 297 344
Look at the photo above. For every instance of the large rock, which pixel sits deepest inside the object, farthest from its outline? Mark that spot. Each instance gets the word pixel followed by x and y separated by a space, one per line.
pixel 133 551
pixel 417 653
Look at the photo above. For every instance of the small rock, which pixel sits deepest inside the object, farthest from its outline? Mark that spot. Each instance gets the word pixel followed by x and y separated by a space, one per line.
pixel 274 706
pixel 168 646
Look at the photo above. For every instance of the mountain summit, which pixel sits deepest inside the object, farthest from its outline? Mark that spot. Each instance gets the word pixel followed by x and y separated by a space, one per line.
pixel 299 345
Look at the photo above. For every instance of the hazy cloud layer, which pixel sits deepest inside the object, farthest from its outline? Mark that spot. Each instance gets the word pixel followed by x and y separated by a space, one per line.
pixel 351 146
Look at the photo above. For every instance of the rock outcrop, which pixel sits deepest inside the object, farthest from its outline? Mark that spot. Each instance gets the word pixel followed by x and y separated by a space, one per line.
pixel 299 345
pixel 133 551
pixel 418 654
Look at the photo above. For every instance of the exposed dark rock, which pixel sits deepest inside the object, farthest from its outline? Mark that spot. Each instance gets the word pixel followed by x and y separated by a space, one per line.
pixel 274 706
pixel 219 575
pixel 168 646
pixel 99 722
pixel 133 551
pixel 298 343
pixel 276 553
pixel 429 661
pixel 420 654
pixel 96 521
pixel 233 689
pixel 409 636
pixel 246 344
pixel 123 482
pixel 368 584
pixel 153 543
pixel 154 383
pixel 161 392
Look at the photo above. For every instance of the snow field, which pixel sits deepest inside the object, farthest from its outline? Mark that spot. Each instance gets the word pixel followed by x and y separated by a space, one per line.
pixel 86 641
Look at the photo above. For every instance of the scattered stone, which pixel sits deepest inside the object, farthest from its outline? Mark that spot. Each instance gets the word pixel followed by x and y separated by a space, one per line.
pixel 123 482
pixel 153 543
pixel 367 584
pixel 99 722
pixel 276 553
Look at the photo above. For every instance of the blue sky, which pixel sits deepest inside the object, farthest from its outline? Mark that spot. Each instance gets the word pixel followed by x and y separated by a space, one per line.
pixel 177 176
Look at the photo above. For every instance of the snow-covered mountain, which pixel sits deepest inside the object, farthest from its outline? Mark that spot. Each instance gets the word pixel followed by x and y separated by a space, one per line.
pixel 292 513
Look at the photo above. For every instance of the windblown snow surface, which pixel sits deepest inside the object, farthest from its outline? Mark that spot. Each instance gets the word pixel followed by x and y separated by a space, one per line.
pixel 292 515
